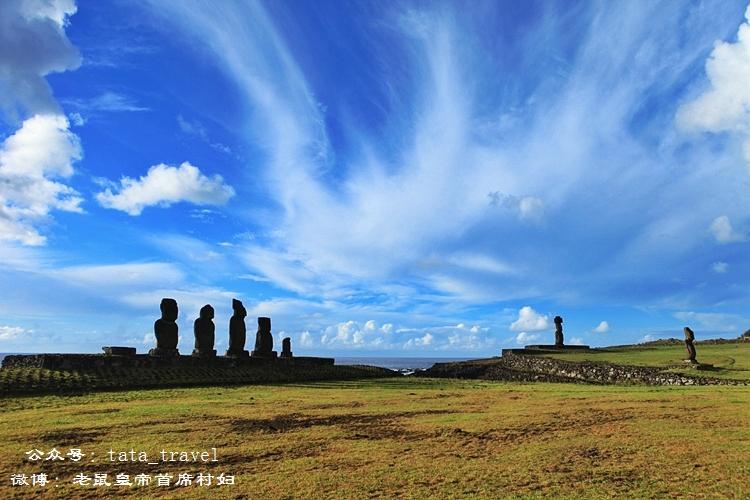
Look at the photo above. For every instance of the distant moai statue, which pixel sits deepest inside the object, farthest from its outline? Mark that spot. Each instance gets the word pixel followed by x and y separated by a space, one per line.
pixel 166 329
pixel 286 347
pixel 237 331
pixel 689 339
pixel 264 340
pixel 205 333
pixel 558 331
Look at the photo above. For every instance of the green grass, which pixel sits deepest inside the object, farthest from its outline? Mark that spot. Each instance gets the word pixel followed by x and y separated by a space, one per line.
pixel 731 360
pixel 408 437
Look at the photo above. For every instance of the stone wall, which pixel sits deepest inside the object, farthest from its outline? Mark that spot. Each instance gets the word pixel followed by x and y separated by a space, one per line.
pixel 89 361
pixel 536 368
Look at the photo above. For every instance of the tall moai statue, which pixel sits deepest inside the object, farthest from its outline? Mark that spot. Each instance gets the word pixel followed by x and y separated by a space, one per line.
pixel 286 348
pixel 689 339
pixel 165 330
pixel 264 340
pixel 237 331
pixel 558 331
pixel 205 333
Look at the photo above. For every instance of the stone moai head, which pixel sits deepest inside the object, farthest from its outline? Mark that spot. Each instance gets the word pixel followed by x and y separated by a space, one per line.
pixel 168 309
pixel 689 334
pixel 264 324
pixel 558 321
pixel 207 312
pixel 239 309
pixel 286 344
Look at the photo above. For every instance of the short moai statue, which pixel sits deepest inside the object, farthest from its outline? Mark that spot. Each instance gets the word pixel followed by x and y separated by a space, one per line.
pixel 286 347
pixel 166 330
pixel 237 331
pixel 558 331
pixel 689 339
pixel 205 333
pixel 264 340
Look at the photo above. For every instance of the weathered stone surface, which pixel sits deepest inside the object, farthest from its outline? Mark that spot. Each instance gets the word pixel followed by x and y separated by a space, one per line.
pixel 286 347
pixel 689 339
pixel 558 331
pixel 166 330
pixel 264 340
pixel 205 332
pixel 118 351
pixel 237 331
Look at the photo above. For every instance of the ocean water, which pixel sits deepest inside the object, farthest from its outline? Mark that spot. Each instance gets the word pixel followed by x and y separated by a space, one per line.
pixel 400 364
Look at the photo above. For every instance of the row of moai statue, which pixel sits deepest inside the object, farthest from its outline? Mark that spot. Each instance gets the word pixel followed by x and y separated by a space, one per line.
pixel 166 332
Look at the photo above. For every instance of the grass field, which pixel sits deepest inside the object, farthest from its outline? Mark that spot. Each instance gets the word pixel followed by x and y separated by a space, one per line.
pixel 407 437
pixel 731 360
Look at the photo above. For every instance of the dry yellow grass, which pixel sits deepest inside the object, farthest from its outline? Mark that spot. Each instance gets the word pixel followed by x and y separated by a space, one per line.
pixel 415 438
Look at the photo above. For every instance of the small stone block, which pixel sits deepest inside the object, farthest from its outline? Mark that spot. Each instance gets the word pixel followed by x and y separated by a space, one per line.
pixel 118 351
pixel 237 354
pixel 269 355
pixel 204 353
pixel 163 353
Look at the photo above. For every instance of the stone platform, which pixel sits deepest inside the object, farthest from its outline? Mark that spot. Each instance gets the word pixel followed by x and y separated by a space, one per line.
pixel 536 349
pixel 84 362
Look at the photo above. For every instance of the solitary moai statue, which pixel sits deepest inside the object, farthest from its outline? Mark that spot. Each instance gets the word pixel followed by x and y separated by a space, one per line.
pixel 237 331
pixel 689 338
pixel 165 330
pixel 264 340
pixel 558 331
pixel 286 347
pixel 205 333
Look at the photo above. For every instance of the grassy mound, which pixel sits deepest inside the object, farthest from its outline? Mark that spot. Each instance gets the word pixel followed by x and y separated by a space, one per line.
pixel 729 360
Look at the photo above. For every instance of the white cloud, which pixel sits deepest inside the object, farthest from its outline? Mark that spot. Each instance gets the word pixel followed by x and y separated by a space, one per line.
pixel 107 102
pixel 196 129
pixel 423 341
pixel 525 338
pixel 720 267
pixel 42 150
pixel 370 325
pixel 531 208
pixel 575 341
pixel 714 322
pixel 530 321
pixel 647 338
pixel 603 327
pixel 33 44
pixel 164 185
pixel 387 328
pixel 11 332
pixel 725 106
pixel 305 339
pixel 722 229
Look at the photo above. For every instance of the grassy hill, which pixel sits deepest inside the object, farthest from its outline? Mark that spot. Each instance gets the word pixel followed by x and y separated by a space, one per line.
pixel 408 437
pixel 730 360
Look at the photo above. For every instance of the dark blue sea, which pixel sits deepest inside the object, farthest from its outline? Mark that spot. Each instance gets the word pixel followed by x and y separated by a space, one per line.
pixel 400 364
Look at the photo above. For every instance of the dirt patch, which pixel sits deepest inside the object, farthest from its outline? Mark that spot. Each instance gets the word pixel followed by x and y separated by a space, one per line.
pixel 357 425
pixel 103 411
pixel 71 437
pixel 330 406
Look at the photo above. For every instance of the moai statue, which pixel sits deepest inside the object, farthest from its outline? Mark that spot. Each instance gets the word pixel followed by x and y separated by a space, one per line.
pixel 689 338
pixel 237 331
pixel 558 331
pixel 204 330
pixel 286 347
pixel 165 330
pixel 264 340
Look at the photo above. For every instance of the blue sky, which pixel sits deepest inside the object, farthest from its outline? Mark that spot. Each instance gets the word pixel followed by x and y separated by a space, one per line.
pixel 390 178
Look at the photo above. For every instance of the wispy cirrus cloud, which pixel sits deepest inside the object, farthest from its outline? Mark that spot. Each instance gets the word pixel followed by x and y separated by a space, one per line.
pixel 404 214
